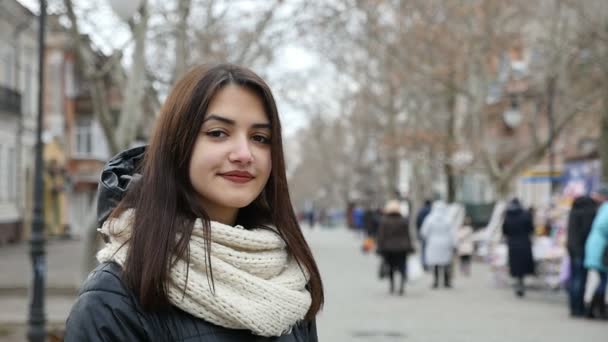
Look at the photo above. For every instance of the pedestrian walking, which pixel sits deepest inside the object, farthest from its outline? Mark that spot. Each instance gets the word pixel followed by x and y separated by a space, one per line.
pixel 422 214
pixel 205 245
pixel 465 246
pixel 438 232
pixel 371 221
pixel 394 243
pixel 596 254
pixel 580 220
pixel 518 228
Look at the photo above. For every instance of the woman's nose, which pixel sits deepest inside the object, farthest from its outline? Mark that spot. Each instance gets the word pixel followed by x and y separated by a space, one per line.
pixel 241 152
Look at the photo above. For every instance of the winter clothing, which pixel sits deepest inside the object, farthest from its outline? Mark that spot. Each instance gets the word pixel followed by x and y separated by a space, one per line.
pixel 438 231
pixel 371 219
pixel 107 310
pixel 422 214
pixel 597 305
pixel 465 240
pixel 447 275
pixel 597 241
pixel 579 225
pixel 576 287
pixel 396 263
pixel 517 228
pixel 394 234
pixel 580 220
pixel 257 286
pixel 394 244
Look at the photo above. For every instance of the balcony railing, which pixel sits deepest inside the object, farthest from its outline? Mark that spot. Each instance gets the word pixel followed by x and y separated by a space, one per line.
pixel 10 100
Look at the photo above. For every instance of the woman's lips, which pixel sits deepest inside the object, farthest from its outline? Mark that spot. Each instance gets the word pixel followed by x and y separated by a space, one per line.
pixel 238 176
pixel 237 179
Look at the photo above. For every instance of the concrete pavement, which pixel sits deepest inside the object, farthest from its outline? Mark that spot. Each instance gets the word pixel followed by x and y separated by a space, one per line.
pixel 359 308
pixel 61 282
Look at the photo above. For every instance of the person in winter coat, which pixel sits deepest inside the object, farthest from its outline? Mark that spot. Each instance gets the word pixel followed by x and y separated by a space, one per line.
pixel 371 220
pixel 202 240
pixel 580 219
pixel 438 232
pixel 596 254
pixel 422 214
pixel 465 246
pixel 518 228
pixel 394 243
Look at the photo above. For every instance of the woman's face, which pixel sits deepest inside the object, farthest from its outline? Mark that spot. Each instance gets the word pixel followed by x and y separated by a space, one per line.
pixel 231 162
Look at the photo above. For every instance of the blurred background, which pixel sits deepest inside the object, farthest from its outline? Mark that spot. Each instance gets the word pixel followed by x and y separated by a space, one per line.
pixel 467 102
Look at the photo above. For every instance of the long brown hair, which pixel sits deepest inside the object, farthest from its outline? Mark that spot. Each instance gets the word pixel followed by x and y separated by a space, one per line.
pixel 165 201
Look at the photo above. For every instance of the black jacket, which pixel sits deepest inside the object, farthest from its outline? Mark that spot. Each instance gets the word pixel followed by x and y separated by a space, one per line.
pixel 517 228
pixel 106 310
pixel 394 234
pixel 579 225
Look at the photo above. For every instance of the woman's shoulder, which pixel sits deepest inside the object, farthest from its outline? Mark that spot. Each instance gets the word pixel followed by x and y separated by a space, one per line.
pixel 105 309
pixel 104 290
pixel 105 278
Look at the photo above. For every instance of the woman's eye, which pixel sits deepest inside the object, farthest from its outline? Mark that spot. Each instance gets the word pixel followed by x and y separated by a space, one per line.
pixel 216 134
pixel 261 139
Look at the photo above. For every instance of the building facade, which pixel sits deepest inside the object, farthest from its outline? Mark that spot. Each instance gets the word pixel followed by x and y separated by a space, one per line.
pixel 73 136
pixel 18 99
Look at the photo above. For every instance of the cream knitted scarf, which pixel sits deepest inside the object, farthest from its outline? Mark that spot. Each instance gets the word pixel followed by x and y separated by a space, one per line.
pixel 258 286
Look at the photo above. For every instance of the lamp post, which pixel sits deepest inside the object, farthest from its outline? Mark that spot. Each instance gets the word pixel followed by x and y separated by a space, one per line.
pixel 36 330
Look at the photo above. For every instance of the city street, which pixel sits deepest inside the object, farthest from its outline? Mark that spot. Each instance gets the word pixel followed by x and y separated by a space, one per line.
pixel 358 306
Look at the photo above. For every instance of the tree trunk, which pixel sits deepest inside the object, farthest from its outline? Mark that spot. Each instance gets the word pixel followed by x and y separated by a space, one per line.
pixel 503 188
pixel 450 141
pixel 450 182
pixel 131 111
pixel 181 39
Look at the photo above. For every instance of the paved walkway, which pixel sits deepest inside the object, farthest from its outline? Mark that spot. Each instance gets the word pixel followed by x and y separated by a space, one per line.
pixel 61 261
pixel 358 306
pixel 62 281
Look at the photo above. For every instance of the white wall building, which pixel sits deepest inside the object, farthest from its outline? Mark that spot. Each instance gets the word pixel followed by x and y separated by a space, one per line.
pixel 18 103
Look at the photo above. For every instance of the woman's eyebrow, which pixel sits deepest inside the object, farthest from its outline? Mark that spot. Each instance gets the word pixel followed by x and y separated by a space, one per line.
pixel 232 122
pixel 219 118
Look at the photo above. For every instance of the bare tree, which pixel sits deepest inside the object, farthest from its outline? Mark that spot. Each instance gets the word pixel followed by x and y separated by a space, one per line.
pixel 592 23
pixel 222 35
pixel 446 58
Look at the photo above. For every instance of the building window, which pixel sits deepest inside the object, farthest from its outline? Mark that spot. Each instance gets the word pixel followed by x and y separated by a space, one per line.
pixel 8 173
pixel 84 135
pixel 28 91
pixel 6 59
pixel 12 174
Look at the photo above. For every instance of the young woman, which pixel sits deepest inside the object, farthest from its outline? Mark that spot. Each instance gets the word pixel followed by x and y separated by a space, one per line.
pixel 205 245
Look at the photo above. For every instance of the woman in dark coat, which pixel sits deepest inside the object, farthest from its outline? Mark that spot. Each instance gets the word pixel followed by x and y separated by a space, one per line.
pixel 202 243
pixel 517 228
pixel 394 243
